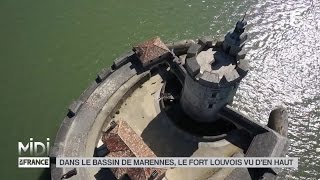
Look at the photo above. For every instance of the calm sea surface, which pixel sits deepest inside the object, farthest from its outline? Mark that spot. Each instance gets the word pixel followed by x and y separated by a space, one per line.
pixel 51 50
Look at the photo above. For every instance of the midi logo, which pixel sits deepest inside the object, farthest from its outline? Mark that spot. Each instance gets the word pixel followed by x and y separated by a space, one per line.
pixel 34 149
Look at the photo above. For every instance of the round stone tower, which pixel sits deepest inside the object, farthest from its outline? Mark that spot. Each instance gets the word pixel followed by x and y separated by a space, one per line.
pixel 214 72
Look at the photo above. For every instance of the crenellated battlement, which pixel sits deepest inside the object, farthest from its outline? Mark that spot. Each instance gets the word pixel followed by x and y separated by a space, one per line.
pixel 214 71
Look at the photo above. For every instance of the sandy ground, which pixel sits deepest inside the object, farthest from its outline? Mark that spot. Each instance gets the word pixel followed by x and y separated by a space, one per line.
pixel 142 112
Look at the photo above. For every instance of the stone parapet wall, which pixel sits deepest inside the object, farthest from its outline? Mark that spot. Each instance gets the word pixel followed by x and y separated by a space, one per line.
pixel 202 102
pixel 212 79
pixel 205 91
pixel 73 133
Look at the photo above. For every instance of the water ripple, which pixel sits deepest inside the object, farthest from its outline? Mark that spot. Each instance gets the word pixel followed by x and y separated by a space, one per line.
pixel 284 54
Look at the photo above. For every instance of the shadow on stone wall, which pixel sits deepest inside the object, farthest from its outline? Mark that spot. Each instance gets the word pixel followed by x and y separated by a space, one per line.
pixel 165 141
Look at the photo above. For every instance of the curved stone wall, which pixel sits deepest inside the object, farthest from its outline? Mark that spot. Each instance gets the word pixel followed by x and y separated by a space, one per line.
pixel 202 102
pixel 212 78
pixel 74 133
pixel 80 130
